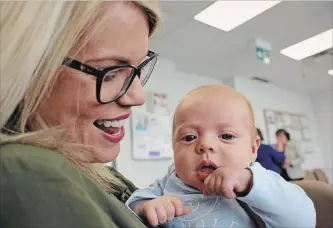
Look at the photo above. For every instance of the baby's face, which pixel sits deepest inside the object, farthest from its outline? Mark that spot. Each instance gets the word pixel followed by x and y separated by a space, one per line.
pixel 210 131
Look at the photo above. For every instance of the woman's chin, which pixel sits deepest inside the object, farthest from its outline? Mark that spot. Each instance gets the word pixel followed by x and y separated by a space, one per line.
pixel 105 154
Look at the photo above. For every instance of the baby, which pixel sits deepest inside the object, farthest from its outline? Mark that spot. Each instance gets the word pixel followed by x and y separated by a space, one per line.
pixel 215 145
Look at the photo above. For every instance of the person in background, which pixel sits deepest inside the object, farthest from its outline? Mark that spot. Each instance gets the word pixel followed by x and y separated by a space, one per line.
pixel 294 159
pixel 269 157
pixel 282 138
pixel 71 71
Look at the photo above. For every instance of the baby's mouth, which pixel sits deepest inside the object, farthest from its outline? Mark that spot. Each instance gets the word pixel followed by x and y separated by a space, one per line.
pixel 111 127
pixel 205 169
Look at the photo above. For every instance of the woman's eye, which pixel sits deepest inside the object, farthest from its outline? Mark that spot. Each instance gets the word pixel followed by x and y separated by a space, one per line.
pixel 111 75
pixel 189 138
pixel 226 136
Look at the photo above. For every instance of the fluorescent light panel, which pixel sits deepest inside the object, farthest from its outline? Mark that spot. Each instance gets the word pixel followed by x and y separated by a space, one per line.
pixel 330 72
pixel 227 15
pixel 310 46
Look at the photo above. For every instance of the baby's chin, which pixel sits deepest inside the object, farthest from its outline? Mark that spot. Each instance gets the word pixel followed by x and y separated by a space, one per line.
pixel 193 182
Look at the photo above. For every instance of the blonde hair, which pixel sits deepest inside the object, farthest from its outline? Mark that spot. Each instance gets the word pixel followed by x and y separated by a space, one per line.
pixel 218 86
pixel 35 38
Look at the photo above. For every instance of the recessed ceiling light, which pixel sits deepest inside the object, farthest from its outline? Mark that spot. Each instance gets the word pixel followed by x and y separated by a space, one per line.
pixel 330 72
pixel 226 15
pixel 310 46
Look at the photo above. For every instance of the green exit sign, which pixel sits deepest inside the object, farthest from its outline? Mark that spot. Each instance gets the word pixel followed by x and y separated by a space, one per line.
pixel 263 55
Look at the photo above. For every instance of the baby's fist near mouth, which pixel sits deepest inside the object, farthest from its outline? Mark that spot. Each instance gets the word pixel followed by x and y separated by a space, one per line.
pixel 228 182
pixel 245 182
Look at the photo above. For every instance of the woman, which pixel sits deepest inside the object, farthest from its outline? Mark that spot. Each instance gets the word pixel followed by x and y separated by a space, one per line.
pixel 70 73
pixel 269 157
pixel 282 139
pixel 293 167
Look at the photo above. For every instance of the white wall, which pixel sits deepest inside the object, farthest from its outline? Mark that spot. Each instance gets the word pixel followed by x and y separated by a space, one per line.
pixel 323 110
pixel 175 84
pixel 267 96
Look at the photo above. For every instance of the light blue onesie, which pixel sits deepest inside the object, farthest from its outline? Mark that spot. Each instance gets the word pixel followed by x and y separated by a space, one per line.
pixel 277 202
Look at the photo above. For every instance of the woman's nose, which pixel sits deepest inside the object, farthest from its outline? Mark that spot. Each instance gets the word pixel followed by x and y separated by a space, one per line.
pixel 134 96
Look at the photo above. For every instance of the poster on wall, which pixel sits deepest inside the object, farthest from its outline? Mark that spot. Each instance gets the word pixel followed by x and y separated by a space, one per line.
pixel 157 103
pixel 152 129
pixel 151 136
pixel 296 124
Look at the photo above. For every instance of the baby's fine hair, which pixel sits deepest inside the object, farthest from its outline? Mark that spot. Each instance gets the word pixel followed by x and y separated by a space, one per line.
pixel 216 86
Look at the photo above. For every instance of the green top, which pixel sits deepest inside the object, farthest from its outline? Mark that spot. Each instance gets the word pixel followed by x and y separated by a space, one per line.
pixel 41 188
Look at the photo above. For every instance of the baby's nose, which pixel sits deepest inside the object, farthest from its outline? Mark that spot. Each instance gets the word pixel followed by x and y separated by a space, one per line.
pixel 206 150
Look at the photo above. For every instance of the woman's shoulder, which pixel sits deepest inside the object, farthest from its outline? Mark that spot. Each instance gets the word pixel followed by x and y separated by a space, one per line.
pixel 10 152
pixel 21 159
pixel 43 188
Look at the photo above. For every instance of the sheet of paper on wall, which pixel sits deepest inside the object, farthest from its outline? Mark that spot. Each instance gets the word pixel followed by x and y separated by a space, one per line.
pixel 271 133
pixel 287 119
pixel 304 121
pixel 157 103
pixel 306 134
pixel 307 147
pixel 295 134
pixel 151 136
pixel 270 117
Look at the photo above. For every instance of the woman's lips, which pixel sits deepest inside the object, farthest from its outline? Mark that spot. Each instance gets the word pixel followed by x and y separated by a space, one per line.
pixel 114 138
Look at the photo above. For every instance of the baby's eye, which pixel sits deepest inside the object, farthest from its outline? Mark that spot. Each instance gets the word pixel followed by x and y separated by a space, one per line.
pixel 189 138
pixel 226 136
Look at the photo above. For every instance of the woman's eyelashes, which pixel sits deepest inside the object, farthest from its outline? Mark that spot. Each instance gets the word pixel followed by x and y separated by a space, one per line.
pixel 226 136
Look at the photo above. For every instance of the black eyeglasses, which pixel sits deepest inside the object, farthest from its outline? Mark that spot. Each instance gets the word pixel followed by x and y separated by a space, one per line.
pixel 110 78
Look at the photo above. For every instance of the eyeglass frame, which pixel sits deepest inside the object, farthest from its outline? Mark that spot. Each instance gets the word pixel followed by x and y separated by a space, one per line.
pixel 101 72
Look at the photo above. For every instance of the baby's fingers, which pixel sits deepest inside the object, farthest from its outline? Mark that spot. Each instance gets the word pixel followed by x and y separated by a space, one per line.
pixel 227 189
pixel 186 210
pixel 161 214
pixel 209 184
pixel 151 215
pixel 180 209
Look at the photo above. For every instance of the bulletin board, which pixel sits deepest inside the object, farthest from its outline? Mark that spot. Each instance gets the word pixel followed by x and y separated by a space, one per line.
pixel 151 127
pixel 296 124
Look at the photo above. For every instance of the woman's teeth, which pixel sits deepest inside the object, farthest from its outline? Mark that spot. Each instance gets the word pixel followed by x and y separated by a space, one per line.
pixel 111 123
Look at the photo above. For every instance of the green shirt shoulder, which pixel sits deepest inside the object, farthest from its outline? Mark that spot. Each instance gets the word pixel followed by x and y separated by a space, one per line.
pixel 41 188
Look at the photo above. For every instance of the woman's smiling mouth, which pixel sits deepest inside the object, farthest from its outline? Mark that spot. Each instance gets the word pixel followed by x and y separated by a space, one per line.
pixel 112 129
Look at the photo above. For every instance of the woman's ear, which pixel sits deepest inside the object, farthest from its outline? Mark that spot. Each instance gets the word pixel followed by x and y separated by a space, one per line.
pixel 255 146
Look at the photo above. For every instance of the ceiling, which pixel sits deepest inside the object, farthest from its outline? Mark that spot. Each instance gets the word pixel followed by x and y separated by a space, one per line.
pixel 201 49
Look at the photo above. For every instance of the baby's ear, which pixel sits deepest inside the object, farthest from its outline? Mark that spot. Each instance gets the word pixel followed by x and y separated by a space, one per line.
pixel 255 146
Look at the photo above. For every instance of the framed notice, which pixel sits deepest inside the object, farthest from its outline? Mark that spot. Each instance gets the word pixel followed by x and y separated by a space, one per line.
pixel 296 124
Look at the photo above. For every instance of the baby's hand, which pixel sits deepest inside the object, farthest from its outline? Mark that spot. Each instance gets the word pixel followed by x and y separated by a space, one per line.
pixel 227 182
pixel 162 209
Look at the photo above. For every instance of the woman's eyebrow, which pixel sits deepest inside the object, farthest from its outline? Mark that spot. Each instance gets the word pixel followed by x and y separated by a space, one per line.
pixel 119 59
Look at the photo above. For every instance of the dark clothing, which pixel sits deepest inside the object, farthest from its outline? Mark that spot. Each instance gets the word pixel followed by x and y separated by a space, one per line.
pixel 269 158
pixel 41 188
pixel 285 176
